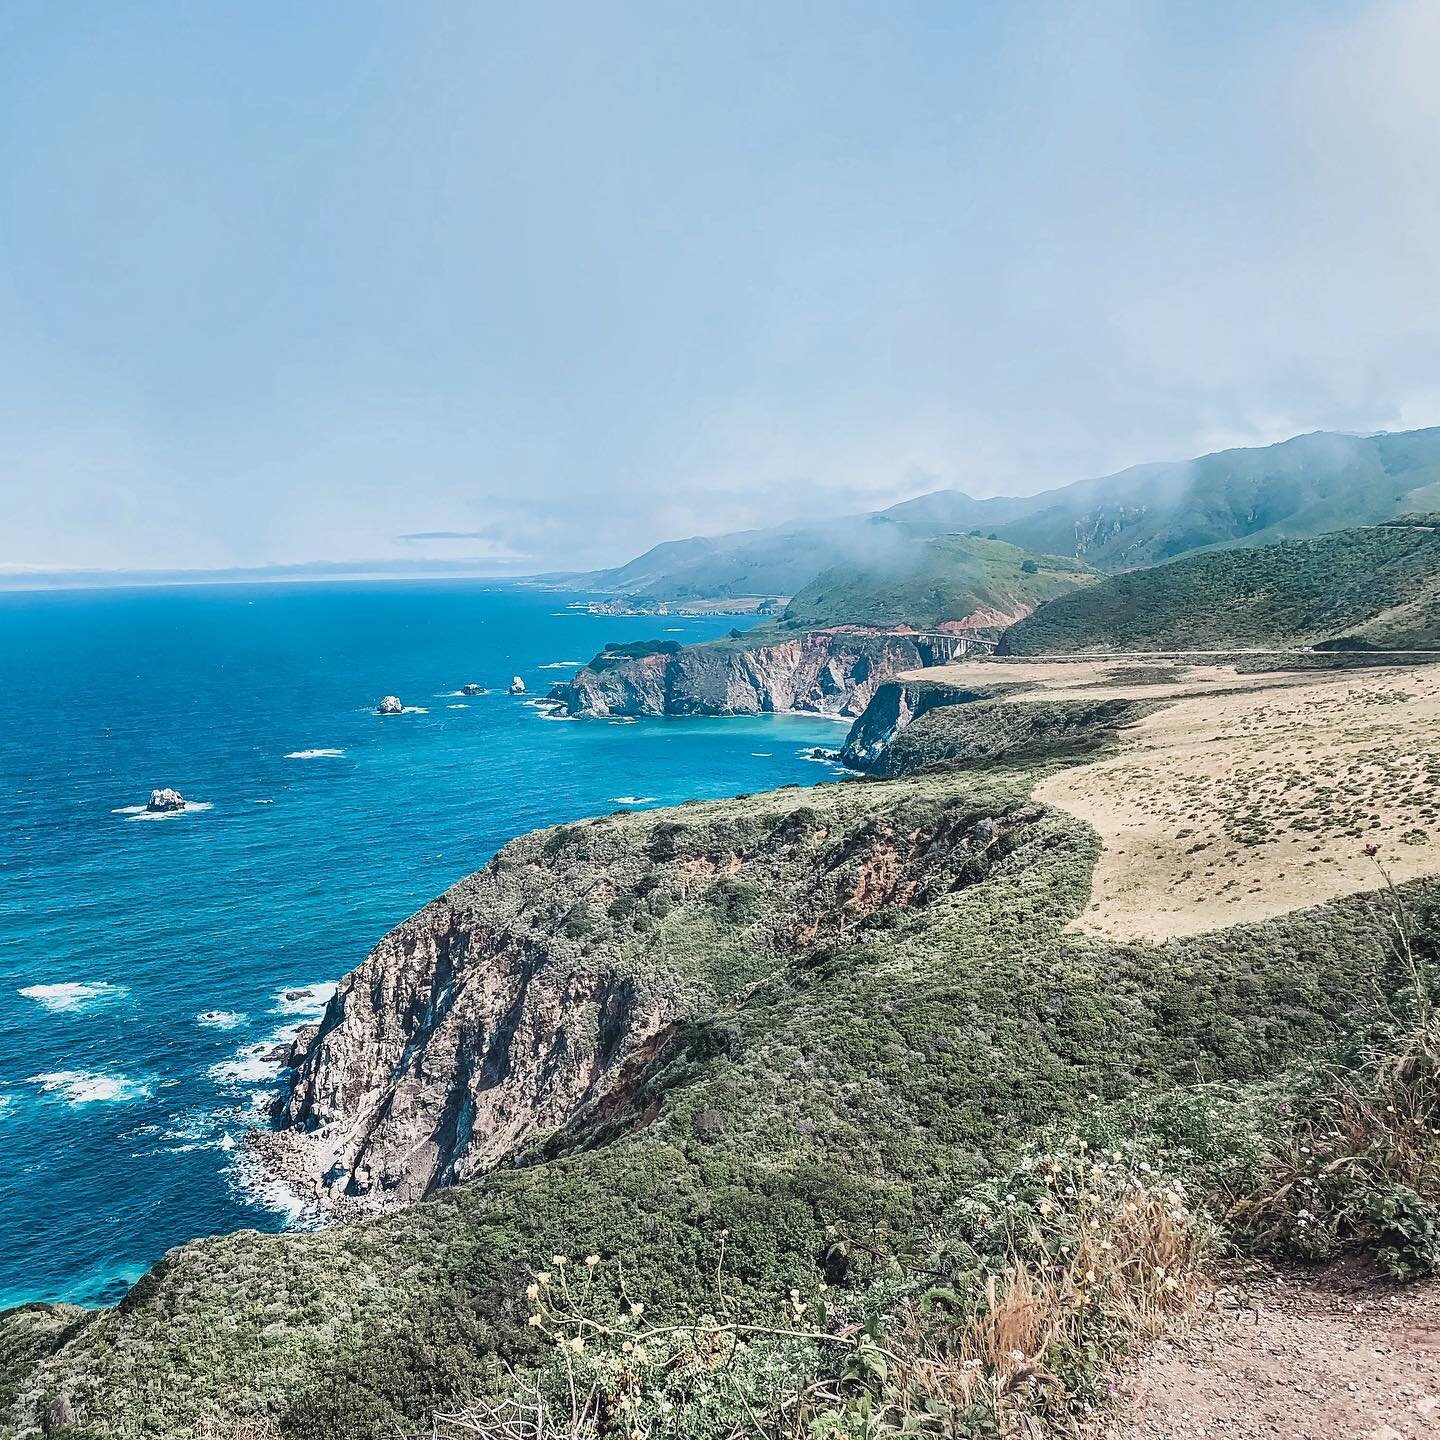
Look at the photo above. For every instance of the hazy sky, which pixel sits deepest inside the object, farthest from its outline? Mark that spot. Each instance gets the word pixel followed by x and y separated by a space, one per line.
pixel 294 281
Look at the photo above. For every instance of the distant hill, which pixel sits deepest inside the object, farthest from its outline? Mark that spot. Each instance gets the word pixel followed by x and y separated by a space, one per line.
pixel 945 580
pixel 1373 588
pixel 780 561
pixel 1306 486
pixel 1141 516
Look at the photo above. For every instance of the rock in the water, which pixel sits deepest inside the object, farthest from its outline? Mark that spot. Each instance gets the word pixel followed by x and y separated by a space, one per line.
pixel 165 800
pixel 517 686
pixel 472 689
pixel 390 705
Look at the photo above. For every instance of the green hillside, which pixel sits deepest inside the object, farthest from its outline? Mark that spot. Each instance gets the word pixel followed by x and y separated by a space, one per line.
pixel 944 579
pixel 879 1011
pixel 1372 588
pixel 1145 515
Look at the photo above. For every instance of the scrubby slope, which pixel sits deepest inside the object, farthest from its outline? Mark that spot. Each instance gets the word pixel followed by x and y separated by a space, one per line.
pixel 874 1003
pixel 1377 587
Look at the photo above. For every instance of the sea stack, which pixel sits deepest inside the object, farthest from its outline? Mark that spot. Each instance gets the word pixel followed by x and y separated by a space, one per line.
pixel 472 689
pixel 163 801
pixel 390 705
pixel 517 686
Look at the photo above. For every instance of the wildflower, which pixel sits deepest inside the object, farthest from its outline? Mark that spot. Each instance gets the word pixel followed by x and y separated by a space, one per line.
pixel 666 1407
pixel 591 1261
pixel 535 1320
pixel 636 1308
pixel 578 1344
pixel 1017 1355
pixel 627 1347
pixel 532 1291
pixel 1089 1277
pixel 543 1277
pixel 639 1354
pixel 1169 1282
pixel 559 1261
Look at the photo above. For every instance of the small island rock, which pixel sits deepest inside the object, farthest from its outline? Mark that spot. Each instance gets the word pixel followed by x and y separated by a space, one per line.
pixel 165 800
pixel 517 686
pixel 472 689
pixel 390 705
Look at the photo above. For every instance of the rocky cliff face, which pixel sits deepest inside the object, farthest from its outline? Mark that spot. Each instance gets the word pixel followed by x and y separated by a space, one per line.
pixel 460 1037
pixel 827 672
pixel 528 1002
pixel 894 706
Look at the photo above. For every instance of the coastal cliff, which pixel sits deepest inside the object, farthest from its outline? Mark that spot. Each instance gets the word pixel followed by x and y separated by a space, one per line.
pixel 533 995
pixel 828 672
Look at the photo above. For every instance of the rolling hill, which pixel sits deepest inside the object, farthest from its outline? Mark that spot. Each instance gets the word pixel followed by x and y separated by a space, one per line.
pixel 1142 516
pixel 946 581
pixel 1372 588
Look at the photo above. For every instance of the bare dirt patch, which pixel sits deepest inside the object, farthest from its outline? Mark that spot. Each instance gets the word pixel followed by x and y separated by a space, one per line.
pixel 1328 1355
pixel 1246 796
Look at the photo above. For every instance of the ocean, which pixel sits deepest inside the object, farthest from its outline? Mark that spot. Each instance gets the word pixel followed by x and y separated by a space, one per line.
pixel 147 965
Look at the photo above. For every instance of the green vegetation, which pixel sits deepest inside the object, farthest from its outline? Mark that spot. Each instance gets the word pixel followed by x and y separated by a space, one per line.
pixel 986 733
pixel 885 1016
pixel 1376 588
pixel 941 580
pixel 1142 516
pixel 618 652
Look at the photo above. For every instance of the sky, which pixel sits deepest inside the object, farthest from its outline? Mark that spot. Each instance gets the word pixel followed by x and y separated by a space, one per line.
pixel 533 287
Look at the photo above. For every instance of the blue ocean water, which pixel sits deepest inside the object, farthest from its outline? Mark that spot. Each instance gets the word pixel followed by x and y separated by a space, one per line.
pixel 147 965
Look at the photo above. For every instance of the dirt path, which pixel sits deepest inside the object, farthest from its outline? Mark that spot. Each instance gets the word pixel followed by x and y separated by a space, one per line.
pixel 1298 1355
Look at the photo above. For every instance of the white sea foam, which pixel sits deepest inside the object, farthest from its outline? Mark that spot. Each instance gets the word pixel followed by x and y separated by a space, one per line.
pixel 220 1019
pixel 84 1087
pixel 562 665
pixel 74 995
pixel 457 707
pixel 414 710
pixel 320 754
pixel 143 812
pixel 250 1065
pixel 309 1001
pixel 762 754
pixel 633 799
pixel 256 1186
pixel 622 720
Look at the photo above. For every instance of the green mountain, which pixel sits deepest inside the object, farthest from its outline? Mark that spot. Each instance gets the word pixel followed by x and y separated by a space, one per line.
pixel 949 578
pixel 1302 487
pixel 781 560
pixel 1374 588
pixel 1140 516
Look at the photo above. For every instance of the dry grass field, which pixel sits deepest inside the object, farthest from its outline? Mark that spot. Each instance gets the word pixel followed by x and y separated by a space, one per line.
pixel 1246 795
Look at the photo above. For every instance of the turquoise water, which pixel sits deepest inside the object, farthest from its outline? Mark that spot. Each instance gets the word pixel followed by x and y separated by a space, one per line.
pixel 147 965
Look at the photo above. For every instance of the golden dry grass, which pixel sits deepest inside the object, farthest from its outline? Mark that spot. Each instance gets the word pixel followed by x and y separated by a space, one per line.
pixel 1246 796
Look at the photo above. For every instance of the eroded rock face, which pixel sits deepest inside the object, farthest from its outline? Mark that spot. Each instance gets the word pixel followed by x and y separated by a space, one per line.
pixel 457 1040
pixel 389 705
pixel 165 800
pixel 517 686
pixel 472 689
pixel 826 672
pixel 525 1005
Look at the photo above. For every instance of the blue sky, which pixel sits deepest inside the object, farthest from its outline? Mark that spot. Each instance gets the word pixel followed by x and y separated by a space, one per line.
pixel 542 284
